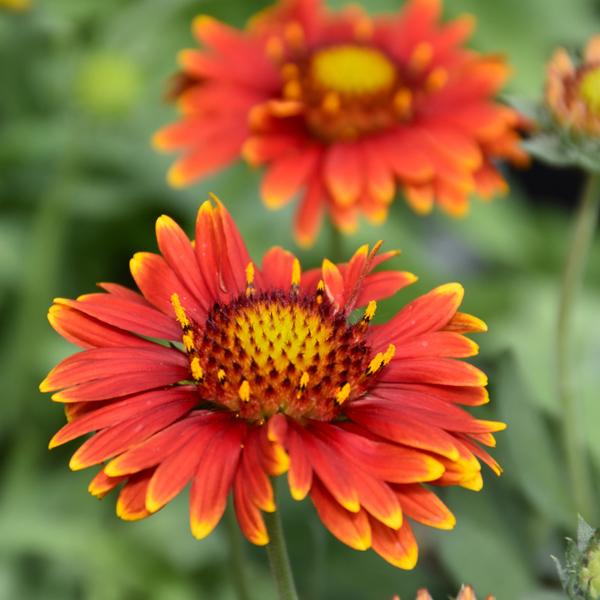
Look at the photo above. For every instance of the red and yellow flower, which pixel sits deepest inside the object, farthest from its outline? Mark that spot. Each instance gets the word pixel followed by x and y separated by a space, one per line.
pixel 224 373
pixel 344 109
pixel 573 90
pixel 466 593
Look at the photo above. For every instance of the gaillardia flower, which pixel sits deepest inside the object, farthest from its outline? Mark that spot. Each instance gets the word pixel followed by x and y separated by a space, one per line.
pixel 466 593
pixel 223 373
pixel 573 90
pixel 344 109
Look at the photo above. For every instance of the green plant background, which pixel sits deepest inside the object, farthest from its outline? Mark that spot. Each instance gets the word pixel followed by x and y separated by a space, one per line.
pixel 81 92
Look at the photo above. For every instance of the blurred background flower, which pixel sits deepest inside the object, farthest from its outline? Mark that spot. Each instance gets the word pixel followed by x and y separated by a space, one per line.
pixel 343 108
pixel 79 194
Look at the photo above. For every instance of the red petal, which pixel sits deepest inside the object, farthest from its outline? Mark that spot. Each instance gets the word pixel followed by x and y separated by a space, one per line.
pixel 409 432
pixel 102 484
pixel 334 282
pixel 351 528
pixel 399 548
pixel 127 315
pixel 179 254
pixel 114 440
pixel 287 174
pixel 342 172
pixel 87 332
pixel 131 503
pixel 277 268
pixel 202 161
pixel 300 473
pixel 233 257
pixel 444 371
pixel 248 516
pixel 424 506
pixel 177 469
pixel 158 282
pixel 310 213
pixel 100 363
pixel 430 312
pixel 330 471
pixel 437 343
pixel 384 284
pixel 213 479
pixel 155 449
pixel 472 396
pixel 252 477
pixel 115 412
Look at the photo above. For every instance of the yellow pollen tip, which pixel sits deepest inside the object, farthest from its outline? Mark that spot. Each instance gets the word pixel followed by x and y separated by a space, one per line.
pixel 296 272
pixel 304 380
pixel 274 48
pixel 370 310
pixel 363 29
pixel 389 354
pixel 179 312
pixel 188 341
pixel 343 394
pixel 292 90
pixel 221 375
pixel 244 391
pixel 250 273
pixel 375 363
pixel 250 279
pixel 421 56
pixel 331 103
pixel 403 102
pixel 294 34
pixel 197 372
pixel 436 79
pixel 290 71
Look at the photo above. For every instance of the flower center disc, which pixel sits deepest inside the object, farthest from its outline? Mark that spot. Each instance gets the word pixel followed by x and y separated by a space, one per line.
pixel 353 70
pixel 589 88
pixel 279 352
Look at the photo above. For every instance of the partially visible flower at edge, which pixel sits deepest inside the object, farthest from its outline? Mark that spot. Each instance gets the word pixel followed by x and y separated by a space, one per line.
pixel 16 5
pixel 224 373
pixel 466 593
pixel 573 90
pixel 344 109
pixel 580 574
pixel 567 122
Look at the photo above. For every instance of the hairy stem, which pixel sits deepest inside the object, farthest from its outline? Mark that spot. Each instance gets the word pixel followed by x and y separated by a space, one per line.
pixel 577 256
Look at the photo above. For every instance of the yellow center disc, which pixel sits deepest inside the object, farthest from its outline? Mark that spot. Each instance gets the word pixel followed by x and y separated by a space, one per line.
pixel 353 70
pixel 589 88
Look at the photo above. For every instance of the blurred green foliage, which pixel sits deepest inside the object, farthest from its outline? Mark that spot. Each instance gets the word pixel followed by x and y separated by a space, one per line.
pixel 81 88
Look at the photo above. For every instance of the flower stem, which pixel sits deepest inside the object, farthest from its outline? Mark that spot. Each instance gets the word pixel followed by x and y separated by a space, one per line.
pixel 574 438
pixel 278 558
pixel 236 553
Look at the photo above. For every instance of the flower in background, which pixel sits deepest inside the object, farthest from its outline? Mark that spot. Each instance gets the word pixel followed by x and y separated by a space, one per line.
pixel 466 593
pixel 567 131
pixel 15 5
pixel 223 373
pixel 580 575
pixel 573 90
pixel 344 109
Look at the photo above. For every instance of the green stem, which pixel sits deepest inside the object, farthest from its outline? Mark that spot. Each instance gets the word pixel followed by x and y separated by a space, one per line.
pixel 278 558
pixel 574 438
pixel 236 553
